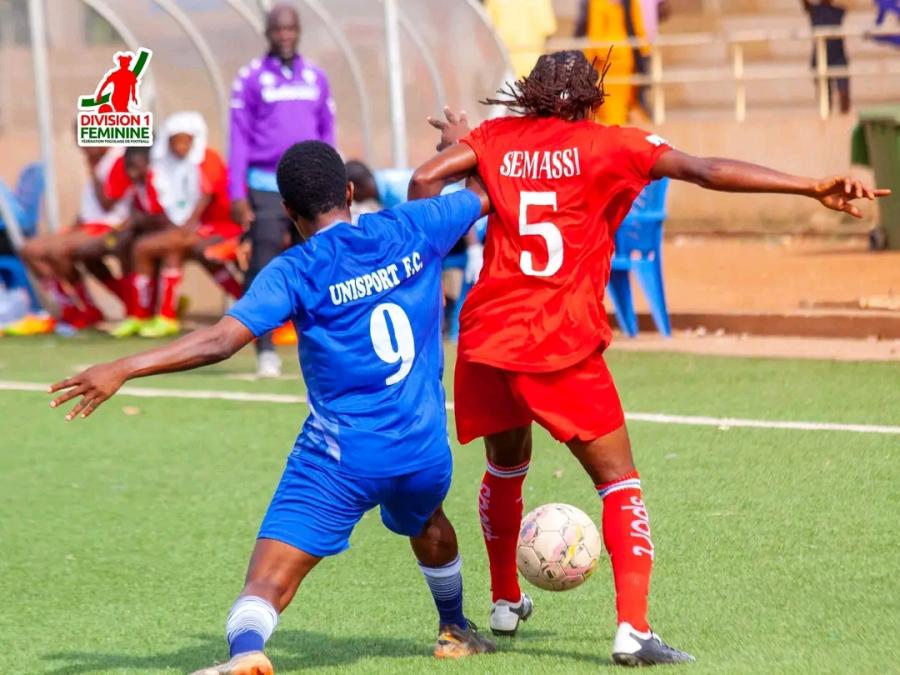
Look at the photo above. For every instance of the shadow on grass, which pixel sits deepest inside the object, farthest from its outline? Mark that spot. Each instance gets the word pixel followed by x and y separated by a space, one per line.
pixel 293 650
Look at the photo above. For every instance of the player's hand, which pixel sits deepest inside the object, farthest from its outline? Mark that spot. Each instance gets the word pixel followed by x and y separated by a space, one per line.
pixel 838 192
pixel 94 386
pixel 454 128
pixel 242 254
pixel 242 213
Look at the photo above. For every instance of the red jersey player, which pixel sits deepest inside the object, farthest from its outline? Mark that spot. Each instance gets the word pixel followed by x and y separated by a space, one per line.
pixel 533 329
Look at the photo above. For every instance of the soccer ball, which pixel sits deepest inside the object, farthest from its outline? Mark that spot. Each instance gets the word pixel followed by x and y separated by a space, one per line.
pixel 558 547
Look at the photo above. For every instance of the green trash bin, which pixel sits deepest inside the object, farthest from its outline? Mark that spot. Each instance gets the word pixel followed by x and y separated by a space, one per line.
pixel 876 143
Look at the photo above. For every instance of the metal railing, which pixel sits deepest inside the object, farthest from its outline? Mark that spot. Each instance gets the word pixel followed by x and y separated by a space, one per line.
pixel 658 77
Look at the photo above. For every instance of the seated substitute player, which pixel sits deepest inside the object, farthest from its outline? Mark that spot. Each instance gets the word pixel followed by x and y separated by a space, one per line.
pixel 533 329
pixel 51 257
pixel 191 184
pixel 365 299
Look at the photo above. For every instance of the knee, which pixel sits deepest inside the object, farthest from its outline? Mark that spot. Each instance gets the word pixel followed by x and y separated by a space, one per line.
pixel 33 251
pixel 144 245
pixel 509 448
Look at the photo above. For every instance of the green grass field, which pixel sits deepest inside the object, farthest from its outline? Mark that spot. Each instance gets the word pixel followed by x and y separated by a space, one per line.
pixel 124 538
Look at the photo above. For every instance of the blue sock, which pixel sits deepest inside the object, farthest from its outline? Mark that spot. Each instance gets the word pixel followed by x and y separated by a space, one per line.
pixel 250 624
pixel 445 584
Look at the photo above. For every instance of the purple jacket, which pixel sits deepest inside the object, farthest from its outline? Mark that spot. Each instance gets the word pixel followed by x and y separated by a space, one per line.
pixel 271 109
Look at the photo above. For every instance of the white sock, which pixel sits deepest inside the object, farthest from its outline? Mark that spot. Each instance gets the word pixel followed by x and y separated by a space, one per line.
pixel 250 624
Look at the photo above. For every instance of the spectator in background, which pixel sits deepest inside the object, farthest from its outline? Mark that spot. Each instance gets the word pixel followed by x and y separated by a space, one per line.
pixel 652 12
pixel 365 189
pixel 607 21
pixel 191 185
pixel 523 26
pixel 276 101
pixel 51 258
pixel 823 13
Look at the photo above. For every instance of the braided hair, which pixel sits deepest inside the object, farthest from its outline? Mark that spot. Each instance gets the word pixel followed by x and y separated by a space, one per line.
pixel 562 84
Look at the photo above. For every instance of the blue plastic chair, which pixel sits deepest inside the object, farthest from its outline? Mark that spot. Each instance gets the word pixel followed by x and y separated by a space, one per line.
pixel 639 251
pixel 25 205
pixel 886 7
pixel 29 192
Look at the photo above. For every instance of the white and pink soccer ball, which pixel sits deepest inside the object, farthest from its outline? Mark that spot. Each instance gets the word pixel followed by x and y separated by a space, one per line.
pixel 558 547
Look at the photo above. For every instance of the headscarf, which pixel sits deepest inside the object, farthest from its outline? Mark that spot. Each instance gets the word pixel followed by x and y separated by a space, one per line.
pixel 178 181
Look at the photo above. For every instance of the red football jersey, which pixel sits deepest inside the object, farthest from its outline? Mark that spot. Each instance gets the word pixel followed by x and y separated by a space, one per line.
pixel 119 186
pixel 560 190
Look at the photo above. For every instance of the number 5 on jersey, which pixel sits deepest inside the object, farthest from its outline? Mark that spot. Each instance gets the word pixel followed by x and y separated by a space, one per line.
pixel 546 231
pixel 393 349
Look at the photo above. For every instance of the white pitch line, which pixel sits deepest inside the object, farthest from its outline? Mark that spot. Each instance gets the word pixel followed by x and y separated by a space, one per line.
pixel 729 422
pixel 151 392
pixel 653 418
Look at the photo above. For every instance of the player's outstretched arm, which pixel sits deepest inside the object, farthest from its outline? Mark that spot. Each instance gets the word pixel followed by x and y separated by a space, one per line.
pixel 728 175
pixel 199 348
pixel 451 165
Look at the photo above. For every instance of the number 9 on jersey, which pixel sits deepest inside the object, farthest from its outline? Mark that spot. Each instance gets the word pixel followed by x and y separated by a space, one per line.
pixel 397 348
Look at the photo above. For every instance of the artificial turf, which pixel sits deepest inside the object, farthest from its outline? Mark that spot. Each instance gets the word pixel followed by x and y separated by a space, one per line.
pixel 124 538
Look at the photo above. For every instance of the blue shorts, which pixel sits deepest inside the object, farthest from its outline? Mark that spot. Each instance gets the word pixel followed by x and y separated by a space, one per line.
pixel 316 507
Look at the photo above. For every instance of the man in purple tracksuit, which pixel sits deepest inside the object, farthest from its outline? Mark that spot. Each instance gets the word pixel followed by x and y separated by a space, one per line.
pixel 276 101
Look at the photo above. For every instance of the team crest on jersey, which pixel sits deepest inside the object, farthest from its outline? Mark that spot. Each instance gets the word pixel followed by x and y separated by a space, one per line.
pixel 113 115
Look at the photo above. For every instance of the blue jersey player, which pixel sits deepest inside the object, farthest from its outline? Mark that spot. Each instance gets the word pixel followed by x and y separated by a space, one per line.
pixel 366 302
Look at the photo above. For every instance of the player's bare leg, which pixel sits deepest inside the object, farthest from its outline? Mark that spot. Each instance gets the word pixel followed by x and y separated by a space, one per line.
pixel 500 510
pixel 626 536
pixel 437 551
pixel 49 259
pixel 275 572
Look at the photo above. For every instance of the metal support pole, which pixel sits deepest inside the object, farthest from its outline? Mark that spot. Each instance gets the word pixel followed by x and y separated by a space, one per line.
pixel 740 98
pixel 184 22
pixel 395 83
pixel 44 111
pixel 656 87
pixel 822 77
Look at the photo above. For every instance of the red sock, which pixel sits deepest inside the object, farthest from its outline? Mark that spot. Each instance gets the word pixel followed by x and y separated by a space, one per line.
pixel 229 284
pixel 626 535
pixel 500 509
pixel 169 281
pixel 118 287
pixel 138 305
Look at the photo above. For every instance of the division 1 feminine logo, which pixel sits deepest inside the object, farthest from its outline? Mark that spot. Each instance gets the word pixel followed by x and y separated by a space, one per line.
pixel 113 115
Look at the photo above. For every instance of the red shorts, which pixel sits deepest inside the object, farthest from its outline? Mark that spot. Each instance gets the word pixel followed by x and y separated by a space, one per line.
pixel 223 229
pixel 95 229
pixel 580 401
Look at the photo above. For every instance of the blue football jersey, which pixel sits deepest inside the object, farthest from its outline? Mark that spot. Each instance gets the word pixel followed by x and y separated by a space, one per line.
pixel 366 302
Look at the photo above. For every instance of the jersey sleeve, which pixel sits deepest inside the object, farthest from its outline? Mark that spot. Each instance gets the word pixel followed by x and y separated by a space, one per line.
pixel 638 152
pixel 475 139
pixel 443 219
pixel 271 299
pixel 213 173
pixel 117 181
